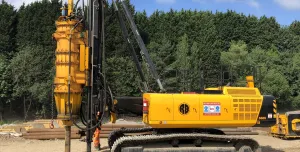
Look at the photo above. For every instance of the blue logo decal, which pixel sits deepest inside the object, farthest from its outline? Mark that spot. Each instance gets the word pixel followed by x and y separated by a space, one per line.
pixel 205 108
pixel 217 108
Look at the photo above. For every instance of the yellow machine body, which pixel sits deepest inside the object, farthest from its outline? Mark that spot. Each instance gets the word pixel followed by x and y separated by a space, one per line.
pixel 287 125
pixel 70 41
pixel 232 107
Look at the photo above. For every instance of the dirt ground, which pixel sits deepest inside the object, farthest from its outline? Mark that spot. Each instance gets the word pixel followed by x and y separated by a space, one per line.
pixel 18 144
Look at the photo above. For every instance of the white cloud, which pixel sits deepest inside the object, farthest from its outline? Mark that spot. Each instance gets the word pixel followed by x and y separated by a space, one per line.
pixel 199 1
pixel 289 4
pixel 231 1
pixel 251 3
pixel 165 1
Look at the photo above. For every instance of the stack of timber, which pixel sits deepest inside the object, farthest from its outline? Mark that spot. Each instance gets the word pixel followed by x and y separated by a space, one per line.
pixel 106 129
pixel 47 133
pixel 44 123
pixel 12 129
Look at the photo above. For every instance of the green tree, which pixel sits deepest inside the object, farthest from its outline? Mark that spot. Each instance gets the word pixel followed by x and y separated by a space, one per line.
pixel 236 59
pixel 8 23
pixel 182 64
pixel 5 81
pixel 292 71
pixel 182 54
pixel 268 30
pixel 288 41
pixel 32 76
pixel 162 54
pixel 236 55
pixel 196 59
pixel 295 27
pixel 296 102
pixel 122 76
pixel 276 84
pixel 36 23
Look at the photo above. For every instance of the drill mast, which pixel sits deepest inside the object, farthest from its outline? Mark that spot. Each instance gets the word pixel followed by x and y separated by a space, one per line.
pixel 80 56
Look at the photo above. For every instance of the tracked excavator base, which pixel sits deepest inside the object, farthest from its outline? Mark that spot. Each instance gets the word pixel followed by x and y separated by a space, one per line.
pixel 118 142
pixel 185 149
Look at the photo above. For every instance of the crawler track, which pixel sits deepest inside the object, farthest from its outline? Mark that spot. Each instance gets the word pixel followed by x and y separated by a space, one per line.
pixel 117 139
pixel 116 134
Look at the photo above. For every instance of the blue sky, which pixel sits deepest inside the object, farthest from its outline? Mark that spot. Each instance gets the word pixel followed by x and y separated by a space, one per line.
pixel 285 11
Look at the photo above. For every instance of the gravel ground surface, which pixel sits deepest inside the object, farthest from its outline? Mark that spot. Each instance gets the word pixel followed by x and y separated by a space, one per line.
pixel 18 144
pixel 10 143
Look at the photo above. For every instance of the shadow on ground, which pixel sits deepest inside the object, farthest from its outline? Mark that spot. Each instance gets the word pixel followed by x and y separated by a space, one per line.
pixel 269 149
pixel 105 149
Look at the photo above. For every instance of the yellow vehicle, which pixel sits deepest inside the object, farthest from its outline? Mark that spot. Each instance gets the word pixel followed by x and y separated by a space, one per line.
pixel 287 125
pixel 187 116
pixel 172 118
pixel 233 107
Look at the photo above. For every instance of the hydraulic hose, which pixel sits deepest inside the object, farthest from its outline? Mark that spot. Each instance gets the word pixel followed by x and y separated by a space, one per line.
pixel 76 5
pixel 83 120
pixel 69 85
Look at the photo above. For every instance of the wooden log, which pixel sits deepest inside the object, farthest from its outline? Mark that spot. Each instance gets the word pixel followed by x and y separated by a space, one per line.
pixel 7 130
pixel 47 137
pixel 45 133
pixel 105 132
pixel 39 120
pixel 109 129
pixel 50 130
pixel 123 125
pixel 48 134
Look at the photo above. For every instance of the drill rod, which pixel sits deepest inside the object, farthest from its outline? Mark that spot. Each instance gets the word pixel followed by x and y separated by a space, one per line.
pixel 68 139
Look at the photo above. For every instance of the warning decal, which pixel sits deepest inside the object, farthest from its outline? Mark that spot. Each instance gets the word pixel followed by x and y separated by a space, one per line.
pixel 211 108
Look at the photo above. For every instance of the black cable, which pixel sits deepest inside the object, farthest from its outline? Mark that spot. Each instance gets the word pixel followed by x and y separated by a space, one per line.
pixel 69 88
pixel 103 53
pixel 83 9
pixel 105 101
pixel 100 120
pixel 83 13
pixel 75 8
pixel 83 120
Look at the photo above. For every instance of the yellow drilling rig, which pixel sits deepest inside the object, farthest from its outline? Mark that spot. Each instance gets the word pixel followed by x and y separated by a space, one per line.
pixel 171 117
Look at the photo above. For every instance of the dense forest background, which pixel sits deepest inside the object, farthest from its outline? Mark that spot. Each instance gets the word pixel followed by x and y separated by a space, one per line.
pixel 187 46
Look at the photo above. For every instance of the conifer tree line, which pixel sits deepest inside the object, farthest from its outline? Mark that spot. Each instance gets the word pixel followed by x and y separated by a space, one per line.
pixel 187 46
